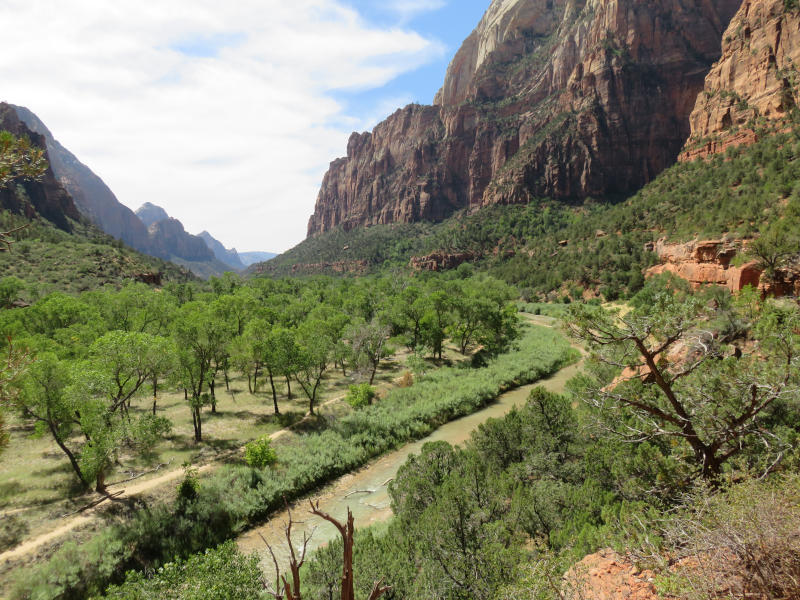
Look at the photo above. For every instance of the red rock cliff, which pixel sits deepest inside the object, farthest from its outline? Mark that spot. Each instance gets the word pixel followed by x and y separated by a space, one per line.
pixel 560 98
pixel 756 77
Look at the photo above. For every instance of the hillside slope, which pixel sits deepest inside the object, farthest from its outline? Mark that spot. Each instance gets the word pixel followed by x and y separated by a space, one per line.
pixel 58 249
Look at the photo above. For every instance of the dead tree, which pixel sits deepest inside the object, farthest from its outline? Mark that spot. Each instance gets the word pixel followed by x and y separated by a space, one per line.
pixel 291 591
pixel 283 589
pixel 346 531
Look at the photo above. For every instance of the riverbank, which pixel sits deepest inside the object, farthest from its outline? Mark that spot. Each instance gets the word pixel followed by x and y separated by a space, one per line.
pixel 226 503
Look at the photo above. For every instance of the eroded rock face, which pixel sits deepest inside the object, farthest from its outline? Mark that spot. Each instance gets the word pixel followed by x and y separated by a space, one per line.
pixel 441 261
pixel 45 197
pixel 558 98
pixel 168 238
pixel 705 263
pixel 606 575
pixel 757 76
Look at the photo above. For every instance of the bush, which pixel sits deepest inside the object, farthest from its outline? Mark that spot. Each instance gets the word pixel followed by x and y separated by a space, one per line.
pixel 360 395
pixel 745 540
pixel 12 531
pixel 260 453
pixel 406 381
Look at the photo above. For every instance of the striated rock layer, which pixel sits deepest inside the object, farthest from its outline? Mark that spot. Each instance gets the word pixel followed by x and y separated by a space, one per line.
pixel 705 263
pixel 756 78
pixel 559 98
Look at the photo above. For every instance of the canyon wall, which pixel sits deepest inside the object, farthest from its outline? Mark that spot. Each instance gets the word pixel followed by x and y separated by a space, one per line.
pixel 755 82
pixel 560 98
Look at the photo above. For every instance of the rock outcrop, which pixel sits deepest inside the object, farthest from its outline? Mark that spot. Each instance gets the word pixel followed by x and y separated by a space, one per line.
pixel 705 263
pixel 92 196
pixel 559 98
pixel 757 77
pixel 607 575
pixel 441 261
pixel 46 198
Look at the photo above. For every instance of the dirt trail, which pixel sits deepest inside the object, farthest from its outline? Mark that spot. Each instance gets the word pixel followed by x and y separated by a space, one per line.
pixel 129 489
pixel 135 488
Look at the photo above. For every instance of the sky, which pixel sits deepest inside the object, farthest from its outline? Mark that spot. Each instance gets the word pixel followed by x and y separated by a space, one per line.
pixel 226 114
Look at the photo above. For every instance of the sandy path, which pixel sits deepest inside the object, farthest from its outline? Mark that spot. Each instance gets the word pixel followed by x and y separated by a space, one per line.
pixel 132 488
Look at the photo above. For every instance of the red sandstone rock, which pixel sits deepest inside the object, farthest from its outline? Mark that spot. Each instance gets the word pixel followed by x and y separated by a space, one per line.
pixel 441 261
pixel 608 576
pixel 705 262
pixel 557 98
pixel 755 77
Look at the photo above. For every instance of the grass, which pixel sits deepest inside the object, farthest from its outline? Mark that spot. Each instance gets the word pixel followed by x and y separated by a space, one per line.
pixel 37 482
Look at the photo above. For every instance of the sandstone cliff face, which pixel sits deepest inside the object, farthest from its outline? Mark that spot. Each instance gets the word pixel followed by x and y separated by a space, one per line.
pixel 557 98
pixel 46 198
pixel 756 77
pixel 705 262
pixel 92 196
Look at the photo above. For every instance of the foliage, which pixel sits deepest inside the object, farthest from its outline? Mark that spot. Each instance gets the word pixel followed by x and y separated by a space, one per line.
pixel 260 453
pixel 48 259
pixel 745 539
pixel 19 159
pixel 684 382
pixel 222 573
pixel 233 496
pixel 360 395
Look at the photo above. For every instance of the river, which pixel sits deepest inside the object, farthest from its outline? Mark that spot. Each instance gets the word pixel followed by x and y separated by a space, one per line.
pixel 365 490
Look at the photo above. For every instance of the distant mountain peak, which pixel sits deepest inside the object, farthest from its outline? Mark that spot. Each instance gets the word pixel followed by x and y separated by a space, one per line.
pixel 149 214
pixel 227 255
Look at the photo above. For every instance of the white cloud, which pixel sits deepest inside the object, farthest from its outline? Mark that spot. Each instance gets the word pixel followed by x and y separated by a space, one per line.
pixel 222 112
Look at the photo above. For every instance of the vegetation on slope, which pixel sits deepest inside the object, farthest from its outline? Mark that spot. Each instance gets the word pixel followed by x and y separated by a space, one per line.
pixel 597 246
pixel 47 259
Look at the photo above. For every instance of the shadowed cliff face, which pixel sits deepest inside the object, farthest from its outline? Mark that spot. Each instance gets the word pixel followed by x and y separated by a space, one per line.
pixel 91 195
pixel 45 197
pixel 756 78
pixel 560 98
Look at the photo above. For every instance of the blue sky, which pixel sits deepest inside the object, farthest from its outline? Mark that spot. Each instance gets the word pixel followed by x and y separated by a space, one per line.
pixel 226 114
pixel 449 24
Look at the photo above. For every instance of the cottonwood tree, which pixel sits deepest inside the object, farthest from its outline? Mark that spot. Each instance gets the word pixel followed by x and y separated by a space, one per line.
pixel 198 335
pixel 369 345
pixel 681 382
pixel 54 394
pixel 316 339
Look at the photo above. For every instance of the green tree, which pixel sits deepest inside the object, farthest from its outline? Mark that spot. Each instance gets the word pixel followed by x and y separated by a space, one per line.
pixel 712 403
pixel 198 335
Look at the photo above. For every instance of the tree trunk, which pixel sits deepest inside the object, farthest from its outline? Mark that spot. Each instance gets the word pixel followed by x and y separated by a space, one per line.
pixel 197 424
pixel 72 460
pixel 274 393
pixel 155 395
pixel 100 488
pixel 255 380
pixel 213 398
pixel 249 383
pixel 288 388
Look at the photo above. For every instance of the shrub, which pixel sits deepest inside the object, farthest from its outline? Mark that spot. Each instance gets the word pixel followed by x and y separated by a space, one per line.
pixel 361 395
pixel 745 540
pixel 406 381
pixel 12 531
pixel 260 453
